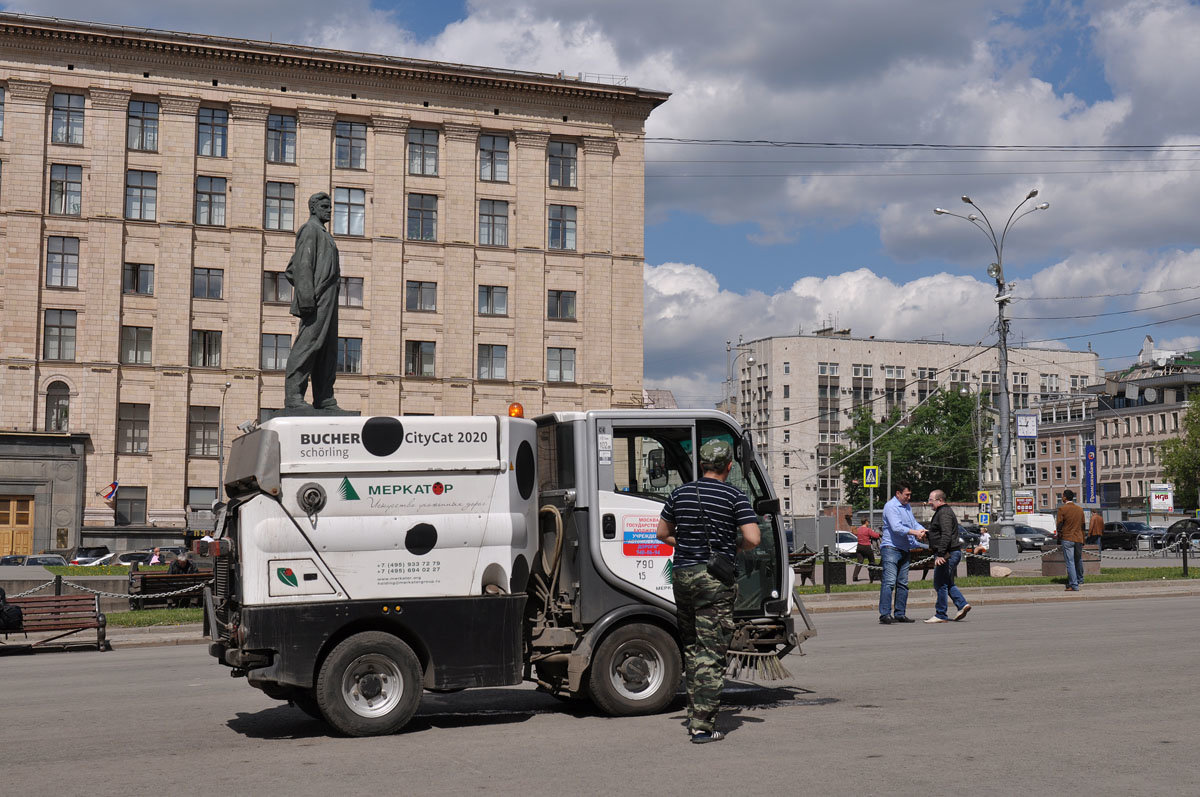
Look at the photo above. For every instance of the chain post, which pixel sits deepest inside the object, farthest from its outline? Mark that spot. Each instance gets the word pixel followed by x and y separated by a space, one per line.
pixel 825 570
pixel 58 585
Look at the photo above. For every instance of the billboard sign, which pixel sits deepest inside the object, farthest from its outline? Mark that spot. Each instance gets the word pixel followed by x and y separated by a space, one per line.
pixel 1089 475
pixel 1024 500
pixel 1162 498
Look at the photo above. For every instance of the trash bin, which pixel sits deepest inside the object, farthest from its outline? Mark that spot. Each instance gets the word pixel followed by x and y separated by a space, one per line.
pixel 978 567
pixel 835 571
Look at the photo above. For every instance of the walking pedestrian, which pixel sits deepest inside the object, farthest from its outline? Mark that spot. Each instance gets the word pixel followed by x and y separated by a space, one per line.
pixel 701 520
pixel 899 527
pixel 1095 528
pixel 865 550
pixel 944 544
pixel 1069 524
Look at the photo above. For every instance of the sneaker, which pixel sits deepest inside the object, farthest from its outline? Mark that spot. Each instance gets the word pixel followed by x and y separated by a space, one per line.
pixel 963 612
pixel 903 619
pixel 704 737
pixel 886 619
pixel 936 619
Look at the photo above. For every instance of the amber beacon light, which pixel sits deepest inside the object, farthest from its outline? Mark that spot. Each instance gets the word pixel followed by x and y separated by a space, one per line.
pixel 515 410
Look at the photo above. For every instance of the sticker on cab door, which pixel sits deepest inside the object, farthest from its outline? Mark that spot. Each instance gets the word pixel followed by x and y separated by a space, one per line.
pixel 640 537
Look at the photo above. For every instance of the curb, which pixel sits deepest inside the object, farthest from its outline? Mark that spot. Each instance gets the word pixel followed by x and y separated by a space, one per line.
pixel 1024 593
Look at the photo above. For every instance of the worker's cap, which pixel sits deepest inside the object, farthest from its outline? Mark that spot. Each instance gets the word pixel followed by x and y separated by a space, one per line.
pixel 716 452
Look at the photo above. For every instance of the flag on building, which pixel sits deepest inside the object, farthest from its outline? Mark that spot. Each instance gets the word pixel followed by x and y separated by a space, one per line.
pixel 110 492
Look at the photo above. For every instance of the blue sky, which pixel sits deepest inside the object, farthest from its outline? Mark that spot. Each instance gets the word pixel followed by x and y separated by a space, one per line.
pixel 771 240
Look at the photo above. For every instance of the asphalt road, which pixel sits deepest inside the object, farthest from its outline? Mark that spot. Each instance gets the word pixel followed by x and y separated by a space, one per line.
pixel 1090 698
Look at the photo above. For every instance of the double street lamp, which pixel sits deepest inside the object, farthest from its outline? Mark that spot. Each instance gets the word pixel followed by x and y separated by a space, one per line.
pixel 1003 296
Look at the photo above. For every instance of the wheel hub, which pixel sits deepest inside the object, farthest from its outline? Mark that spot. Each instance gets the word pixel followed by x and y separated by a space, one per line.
pixel 635 672
pixel 370 686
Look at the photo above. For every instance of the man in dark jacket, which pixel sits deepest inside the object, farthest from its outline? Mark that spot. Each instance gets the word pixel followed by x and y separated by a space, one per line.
pixel 945 547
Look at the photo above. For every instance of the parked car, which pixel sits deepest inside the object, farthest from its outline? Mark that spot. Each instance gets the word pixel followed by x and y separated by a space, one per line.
pixel 847 543
pixel 86 554
pixel 1188 527
pixel 1033 539
pixel 125 558
pixel 12 560
pixel 45 560
pixel 1126 533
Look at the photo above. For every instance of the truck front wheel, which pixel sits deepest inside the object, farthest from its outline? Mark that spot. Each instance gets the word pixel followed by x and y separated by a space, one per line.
pixel 369 685
pixel 635 670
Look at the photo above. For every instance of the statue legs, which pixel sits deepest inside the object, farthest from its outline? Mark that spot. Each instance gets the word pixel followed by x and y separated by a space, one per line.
pixel 313 357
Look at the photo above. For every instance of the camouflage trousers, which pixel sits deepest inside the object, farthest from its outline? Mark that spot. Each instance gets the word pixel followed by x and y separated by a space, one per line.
pixel 705 609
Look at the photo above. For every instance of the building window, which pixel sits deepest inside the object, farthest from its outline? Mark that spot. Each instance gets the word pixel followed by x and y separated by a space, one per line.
pixel 787 480
pixel 210 201
pixel 204 431
pixel 281 139
pixel 66 124
pixel 58 407
pixel 864 371
pixel 135 345
pixel 420 297
pixel 493 300
pixel 275 349
pixel 893 372
pixel 560 305
pixel 493 159
pixel 212 132
pixel 206 348
pixel 1074 472
pixel 138 278
pixel 787 459
pixel 419 357
pixel 133 428
pixel 1045 448
pixel 493 222
pixel 1128 458
pixel 493 361
pixel 787 391
pixel 58 341
pixel 1138 456
pixel 349 211
pixel 130 506
pixel 560 365
pixel 787 435
pixel 350 145
pixel 422 217
pixel 1104 458
pixel 142 128
pixel 141 195
pixel 423 152
pixel 1138 421
pixel 349 359
pixel 207 283
pixel 827 369
pixel 62 262
pixel 350 291
pixel 276 288
pixel 1030 474
pixel 279 207
pixel 66 190
pixel 1058 473
pixel 1045 474
pixel 562 227
pixel 203 497
pixel 1072 445
pixel 1058 445
pixel 1 112
pixel 564 160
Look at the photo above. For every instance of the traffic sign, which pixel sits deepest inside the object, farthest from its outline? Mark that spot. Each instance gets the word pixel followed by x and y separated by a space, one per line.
pixel 983 497
pixel 985 518
pixel 870 475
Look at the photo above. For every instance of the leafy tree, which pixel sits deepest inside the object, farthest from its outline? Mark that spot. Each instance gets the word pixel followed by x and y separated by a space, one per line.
pixel 1180 456
pixel 934 450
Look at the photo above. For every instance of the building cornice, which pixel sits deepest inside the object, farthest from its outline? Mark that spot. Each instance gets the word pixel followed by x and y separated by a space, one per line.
pixel 109 99
pixel 248 55
pixel 36 91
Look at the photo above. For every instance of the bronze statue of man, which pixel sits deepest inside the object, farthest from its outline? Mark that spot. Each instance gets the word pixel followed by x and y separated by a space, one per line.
pixel 314 272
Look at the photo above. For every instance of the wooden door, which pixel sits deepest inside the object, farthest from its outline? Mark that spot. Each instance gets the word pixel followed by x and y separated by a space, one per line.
pixel 16 524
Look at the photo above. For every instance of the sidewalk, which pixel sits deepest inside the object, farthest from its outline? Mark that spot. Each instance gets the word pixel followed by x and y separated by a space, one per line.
pixel 1018 593
pixel 119 638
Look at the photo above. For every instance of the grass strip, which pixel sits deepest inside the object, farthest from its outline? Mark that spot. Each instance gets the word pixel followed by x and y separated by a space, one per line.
pixel 102 570
pixel 1107 575
pixel 149 617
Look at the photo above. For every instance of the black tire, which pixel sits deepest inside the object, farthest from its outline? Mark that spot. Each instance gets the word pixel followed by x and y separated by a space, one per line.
pixel 306 701
pixel 369 685
pixel 635 670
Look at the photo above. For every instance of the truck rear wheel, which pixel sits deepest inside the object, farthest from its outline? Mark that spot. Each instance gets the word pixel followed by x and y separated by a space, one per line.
pixel 635 670
pixel 369 685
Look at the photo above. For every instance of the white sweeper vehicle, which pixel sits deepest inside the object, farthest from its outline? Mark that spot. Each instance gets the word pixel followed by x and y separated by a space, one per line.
pixel 361 561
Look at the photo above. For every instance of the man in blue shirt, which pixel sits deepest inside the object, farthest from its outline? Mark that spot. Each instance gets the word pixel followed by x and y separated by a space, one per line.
pixel 899 527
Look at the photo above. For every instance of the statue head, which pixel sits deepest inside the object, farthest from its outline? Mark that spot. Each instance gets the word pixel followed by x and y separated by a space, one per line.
pixel 321 206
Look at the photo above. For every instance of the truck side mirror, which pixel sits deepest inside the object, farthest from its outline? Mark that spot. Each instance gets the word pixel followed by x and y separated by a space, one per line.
pixel 766 506
pixel 747 450
pixel 657 469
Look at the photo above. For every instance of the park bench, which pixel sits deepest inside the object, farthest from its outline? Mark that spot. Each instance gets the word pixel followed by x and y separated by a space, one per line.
pixel 69 614
pixel 153 589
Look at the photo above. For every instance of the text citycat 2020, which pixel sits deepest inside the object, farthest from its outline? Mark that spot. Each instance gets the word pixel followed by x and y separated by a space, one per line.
pixel 360 561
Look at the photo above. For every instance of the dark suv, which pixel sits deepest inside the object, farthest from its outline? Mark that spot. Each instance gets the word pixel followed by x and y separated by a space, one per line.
pixel 1126 533
pixel 1188 528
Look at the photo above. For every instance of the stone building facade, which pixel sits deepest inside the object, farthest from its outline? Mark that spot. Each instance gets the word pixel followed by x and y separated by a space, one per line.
pixel 797 393
pixel 490 225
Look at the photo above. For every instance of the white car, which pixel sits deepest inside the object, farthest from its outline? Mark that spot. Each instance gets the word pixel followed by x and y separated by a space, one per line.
pixel 847 543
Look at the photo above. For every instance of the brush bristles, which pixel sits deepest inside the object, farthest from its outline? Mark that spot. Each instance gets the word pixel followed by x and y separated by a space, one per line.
pixel 756 666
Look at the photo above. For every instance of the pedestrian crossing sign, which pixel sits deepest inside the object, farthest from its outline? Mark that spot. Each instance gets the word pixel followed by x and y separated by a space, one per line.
pixel 870 475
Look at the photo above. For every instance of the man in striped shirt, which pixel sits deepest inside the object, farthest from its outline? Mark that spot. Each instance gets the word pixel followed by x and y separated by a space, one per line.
pixel 702 519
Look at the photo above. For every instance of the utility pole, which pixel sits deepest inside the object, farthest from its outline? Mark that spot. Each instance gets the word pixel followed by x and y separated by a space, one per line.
pixel 891 492
pixel 871 461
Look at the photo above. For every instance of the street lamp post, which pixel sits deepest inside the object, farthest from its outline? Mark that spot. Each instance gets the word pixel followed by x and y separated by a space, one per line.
pixel 1003 296
pixel 221 443
pixel 730 362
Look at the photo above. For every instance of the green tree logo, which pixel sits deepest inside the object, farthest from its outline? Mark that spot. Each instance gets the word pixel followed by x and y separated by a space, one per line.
pixel 347 490
pixel 287 576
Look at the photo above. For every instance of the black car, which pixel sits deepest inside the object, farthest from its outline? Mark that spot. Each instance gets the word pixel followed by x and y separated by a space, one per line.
pixel 12 560
pixel 1188 528
pixel 1126 533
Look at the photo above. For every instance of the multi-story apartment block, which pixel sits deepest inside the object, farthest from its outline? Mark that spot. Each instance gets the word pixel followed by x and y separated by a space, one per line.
pixel 1142 407
pixel 1055 460
pixel 490 225
pixel 800 392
